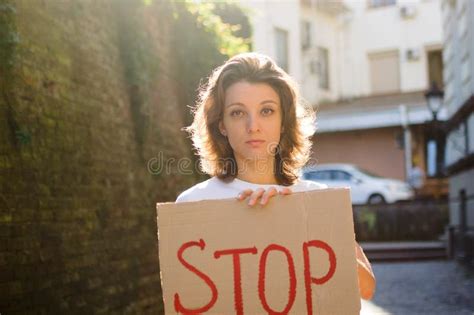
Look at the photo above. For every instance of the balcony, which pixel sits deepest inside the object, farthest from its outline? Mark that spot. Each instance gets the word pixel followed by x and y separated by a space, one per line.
pixel 333 7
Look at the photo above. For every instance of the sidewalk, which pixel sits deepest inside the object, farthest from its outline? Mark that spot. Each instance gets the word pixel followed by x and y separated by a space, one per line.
pixel 428 287
pixel 404 251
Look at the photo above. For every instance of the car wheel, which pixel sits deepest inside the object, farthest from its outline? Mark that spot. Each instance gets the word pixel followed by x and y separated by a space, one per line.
pixel 376 199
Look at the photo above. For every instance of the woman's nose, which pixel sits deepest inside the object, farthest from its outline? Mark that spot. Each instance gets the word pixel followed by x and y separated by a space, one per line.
pixel 253 124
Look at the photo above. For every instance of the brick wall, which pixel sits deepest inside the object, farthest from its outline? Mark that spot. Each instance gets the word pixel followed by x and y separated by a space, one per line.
pixel 77 202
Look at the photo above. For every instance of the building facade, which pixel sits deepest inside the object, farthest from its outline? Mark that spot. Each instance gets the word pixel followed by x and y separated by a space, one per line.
pixel 458 54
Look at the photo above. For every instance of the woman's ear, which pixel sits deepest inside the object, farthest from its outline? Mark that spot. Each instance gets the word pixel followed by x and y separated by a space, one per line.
pixel 222 129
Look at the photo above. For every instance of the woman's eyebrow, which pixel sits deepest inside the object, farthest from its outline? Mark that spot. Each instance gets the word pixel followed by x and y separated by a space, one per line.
pixel 268 101
pixel 261 103
pixel 233 104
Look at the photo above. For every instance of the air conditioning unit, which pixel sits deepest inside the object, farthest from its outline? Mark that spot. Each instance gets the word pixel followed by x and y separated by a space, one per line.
pixel 407 11
pixel 412 54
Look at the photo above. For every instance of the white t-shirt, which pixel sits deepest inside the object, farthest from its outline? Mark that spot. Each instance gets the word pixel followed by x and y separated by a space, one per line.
pixel 214 188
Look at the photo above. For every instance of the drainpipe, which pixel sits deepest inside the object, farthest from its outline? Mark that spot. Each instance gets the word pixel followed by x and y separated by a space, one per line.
pixel 463 224
pixel 406 139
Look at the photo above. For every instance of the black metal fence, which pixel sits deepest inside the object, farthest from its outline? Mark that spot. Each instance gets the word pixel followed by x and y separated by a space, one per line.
pixel 419 220
pixel 407 221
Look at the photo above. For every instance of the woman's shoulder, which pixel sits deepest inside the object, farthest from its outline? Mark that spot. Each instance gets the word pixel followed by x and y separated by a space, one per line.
pixel 304 185
pixel 202 190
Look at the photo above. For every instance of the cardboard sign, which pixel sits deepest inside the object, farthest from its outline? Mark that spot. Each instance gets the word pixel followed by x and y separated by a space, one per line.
pixel 296 255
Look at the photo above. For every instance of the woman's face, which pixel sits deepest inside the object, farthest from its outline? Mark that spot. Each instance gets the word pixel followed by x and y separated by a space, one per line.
pixel 252 120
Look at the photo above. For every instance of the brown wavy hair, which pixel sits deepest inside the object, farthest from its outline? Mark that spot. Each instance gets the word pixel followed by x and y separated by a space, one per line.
pixel 298 121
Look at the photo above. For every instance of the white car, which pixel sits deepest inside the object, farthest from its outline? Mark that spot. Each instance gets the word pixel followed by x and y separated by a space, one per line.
pixel 365 186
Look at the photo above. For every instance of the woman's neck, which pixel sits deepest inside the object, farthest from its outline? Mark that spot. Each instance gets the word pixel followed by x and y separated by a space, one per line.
pixel 257 171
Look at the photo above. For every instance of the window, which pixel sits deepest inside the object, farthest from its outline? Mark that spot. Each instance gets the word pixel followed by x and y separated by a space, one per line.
pixel 431 158
pixel 318 175
pixel 384 72
pixel 340 175
pixel 381 3
pixel 323 61
pixel 327 175
pixel 435 68
pixel 305 35
pixel 281 41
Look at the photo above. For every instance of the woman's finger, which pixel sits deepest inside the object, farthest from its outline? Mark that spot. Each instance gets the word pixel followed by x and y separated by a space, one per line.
pixel 272 191
pixel 255 195
pixel 244 194
pixel 367 280
pixel 286 191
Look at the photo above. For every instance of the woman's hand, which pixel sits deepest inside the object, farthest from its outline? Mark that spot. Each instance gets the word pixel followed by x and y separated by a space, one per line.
pixel 365 273
pixel 262 194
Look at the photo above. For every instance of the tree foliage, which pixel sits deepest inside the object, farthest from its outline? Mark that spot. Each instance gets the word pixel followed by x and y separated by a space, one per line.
pixel 231 13
pixel 204 41
pixel 207 15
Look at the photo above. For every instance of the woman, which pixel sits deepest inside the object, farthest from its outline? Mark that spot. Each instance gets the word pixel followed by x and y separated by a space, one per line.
pixel 253 135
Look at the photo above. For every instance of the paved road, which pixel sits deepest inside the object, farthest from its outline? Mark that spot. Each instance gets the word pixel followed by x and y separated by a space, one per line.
pixel 412 288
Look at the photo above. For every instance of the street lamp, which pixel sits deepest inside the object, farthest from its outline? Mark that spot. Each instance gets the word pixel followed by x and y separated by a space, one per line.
pixel 434 100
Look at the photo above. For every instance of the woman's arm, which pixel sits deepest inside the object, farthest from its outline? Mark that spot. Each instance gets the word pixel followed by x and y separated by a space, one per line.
pixel 365 273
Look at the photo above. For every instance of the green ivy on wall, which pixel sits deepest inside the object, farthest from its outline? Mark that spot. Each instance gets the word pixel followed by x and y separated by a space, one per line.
pixel 9 40
pixel 140 63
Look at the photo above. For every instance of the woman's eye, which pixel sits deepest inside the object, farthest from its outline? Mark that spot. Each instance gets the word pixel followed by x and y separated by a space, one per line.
pixel 267 111
pixel 236 113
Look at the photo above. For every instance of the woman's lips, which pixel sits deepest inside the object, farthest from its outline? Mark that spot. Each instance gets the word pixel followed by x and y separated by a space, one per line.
pixel 255 143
